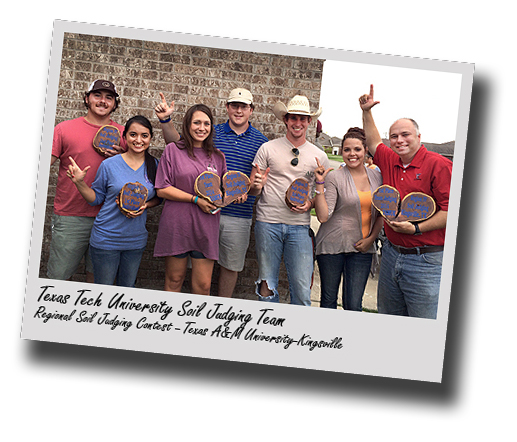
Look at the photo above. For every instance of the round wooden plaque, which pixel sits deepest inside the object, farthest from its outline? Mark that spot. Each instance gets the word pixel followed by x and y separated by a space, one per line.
pixel 132 196
pixel 386 200
pixel 416 206
pixel 298 193
pixel 208 186
pixel 106 137
pixel 235 185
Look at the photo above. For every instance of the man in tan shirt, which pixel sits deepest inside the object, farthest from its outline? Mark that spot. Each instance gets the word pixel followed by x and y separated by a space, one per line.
pixel 281 231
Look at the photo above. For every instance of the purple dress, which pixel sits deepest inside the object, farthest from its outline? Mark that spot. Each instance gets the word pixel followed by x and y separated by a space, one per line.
pixel 184 227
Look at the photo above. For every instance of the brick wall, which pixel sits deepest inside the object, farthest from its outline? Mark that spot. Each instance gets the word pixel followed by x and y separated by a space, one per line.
pixel 187 75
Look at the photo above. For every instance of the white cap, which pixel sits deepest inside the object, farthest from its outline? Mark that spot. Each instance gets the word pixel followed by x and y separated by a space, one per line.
pixel 240 95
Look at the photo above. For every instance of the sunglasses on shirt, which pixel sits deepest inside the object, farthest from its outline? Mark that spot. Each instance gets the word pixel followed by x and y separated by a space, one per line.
pixel 296 153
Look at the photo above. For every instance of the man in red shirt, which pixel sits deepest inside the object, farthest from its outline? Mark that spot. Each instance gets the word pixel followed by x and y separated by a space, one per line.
pixel 411 265
pixel 73 216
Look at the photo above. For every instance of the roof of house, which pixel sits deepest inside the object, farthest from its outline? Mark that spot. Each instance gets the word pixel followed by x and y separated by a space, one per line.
pixel 445 149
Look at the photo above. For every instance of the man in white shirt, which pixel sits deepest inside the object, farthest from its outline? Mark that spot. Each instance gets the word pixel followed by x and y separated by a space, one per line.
pixel 281 230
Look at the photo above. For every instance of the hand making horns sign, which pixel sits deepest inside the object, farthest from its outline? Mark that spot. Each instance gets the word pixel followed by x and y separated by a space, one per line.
pixel 258 179
pixel 75 173
pixel 366 101
pixel 320 171
pixel 164 110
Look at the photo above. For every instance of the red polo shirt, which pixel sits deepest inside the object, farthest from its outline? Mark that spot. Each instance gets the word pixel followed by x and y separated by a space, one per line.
pixel 430 173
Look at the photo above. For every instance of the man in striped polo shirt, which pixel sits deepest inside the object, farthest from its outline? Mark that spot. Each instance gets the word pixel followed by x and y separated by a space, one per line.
pixel 239 141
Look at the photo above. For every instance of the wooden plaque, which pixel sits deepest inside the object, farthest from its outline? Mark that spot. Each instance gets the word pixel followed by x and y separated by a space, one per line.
pixel 235 185
pixel 132 196
pixel 208 186
pixel 106 137
pixel 298 193
pixel 386 200
pixel 416 206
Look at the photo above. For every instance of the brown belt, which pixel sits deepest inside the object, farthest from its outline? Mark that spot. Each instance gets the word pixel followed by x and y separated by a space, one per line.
pixel 417 250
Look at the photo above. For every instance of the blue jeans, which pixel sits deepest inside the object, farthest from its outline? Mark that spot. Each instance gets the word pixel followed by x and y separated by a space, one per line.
pixel 293 243
pixel 355 268
pixel 118 267
pixel 409 285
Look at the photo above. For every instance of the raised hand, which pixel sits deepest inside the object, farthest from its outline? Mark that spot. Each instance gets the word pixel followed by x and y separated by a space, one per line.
pixel 259 178
pixel 164 110
pixel 320 171
pixel 366 101
pixel 75 173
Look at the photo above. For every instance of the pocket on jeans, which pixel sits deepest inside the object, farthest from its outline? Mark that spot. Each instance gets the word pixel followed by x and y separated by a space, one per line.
pixel 433 258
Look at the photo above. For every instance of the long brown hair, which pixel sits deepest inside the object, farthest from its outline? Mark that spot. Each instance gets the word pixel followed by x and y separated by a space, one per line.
pixel 150 161
pixel 208 143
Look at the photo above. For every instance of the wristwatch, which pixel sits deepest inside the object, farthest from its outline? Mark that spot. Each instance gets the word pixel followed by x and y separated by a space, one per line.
pixel 417 229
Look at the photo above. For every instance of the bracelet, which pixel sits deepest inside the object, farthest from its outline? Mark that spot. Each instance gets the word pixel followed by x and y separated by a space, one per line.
pixel 317 192
pixel 320 182
pixel 165 121
pixel 195 199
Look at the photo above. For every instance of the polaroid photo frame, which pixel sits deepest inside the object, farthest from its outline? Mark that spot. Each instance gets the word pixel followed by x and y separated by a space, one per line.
pixel 239 329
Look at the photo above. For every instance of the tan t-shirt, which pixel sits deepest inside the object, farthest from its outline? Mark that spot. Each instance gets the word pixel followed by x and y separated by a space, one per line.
pixel 277 155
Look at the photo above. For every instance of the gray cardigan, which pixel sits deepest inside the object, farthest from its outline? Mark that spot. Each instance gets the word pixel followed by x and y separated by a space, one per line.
pixel 344 226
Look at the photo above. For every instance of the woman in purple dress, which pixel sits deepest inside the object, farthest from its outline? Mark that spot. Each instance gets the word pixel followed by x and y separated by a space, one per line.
pixel 187 225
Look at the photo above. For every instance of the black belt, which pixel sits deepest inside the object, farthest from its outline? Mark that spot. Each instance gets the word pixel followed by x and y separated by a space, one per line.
pixel 417 250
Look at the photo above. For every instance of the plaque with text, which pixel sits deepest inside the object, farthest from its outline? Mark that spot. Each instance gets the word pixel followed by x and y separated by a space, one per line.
pixel 415 206
pixel 235 185
pixel 223 192
pixel 106 137
pixel 386 200
pixel 298 193
pixel 208 186
pixel 132 196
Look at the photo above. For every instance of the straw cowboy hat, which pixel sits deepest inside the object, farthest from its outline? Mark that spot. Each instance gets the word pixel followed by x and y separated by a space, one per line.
pixel 299 105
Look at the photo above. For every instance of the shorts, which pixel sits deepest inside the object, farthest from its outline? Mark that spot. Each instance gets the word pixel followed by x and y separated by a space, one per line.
pixel 234 239
pixel 69 244
pixel 193 254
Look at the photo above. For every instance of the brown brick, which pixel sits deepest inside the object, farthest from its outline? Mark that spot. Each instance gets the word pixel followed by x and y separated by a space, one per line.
pixel 187 75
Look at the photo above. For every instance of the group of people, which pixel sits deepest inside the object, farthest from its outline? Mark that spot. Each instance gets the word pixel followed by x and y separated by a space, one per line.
pixel 87 221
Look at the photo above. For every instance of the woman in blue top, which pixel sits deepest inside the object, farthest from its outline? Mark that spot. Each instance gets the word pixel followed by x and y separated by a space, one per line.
pixel 117 241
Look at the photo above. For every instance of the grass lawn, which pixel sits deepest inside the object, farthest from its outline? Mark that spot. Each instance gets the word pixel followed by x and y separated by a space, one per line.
pixel 335 157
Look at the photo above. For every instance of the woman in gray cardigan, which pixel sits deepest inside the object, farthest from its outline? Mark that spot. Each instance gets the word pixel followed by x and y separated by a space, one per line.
pixel 349 223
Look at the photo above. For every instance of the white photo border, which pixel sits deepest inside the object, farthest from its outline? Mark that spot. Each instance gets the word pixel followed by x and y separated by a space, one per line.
pixel 370 344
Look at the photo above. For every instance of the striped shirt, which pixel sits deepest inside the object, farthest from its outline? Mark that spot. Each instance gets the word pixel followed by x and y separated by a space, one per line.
pixel 240 151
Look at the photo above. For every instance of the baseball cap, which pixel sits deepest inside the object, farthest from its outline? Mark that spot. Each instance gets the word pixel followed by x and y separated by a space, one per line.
pixel 105 85
pixel 240 95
